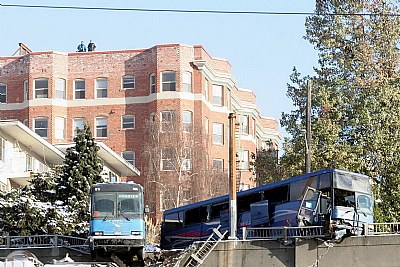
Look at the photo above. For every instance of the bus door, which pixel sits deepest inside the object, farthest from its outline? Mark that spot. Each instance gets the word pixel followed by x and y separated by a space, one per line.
pixel 308 207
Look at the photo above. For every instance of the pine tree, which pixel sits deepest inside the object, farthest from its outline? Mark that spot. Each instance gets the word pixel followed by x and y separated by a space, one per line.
pixel 356 96
pixel 81 169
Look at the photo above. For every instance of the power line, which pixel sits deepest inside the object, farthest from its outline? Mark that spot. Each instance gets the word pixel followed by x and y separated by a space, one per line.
pixel 200 11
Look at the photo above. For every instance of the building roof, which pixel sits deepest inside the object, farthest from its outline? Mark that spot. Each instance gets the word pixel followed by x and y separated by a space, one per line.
pixel 112 160
pixel 26 139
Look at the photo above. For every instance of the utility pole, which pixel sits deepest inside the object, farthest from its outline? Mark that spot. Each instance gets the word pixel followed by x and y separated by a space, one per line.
pixel 232 177
pixel 308 129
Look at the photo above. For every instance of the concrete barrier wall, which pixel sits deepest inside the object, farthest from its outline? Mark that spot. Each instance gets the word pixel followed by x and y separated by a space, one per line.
pixel 373 251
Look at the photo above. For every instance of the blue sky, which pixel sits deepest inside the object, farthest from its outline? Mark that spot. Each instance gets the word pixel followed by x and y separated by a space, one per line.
pixel 261 48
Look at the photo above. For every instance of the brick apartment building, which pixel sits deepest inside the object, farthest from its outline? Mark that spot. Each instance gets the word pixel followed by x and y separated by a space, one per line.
pixel 119 92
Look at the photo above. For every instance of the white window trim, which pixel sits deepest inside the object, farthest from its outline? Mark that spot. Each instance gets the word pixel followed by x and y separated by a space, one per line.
pixel 169 82
pixel 122 82
pixel 219 96
pixel 79 90
pixel 166 159
pixel 56 130
pixel 35 89
pixel 26 90
pixel 131 153
pixel 73 125
pixel 64 82
pixel 187 75
pixel 190 125
pixel 172 122
pixel 122 122
pixel 96 88
pixel 222 165
pixel 47 129
pixel 153 84
pixel 222 134
pixel 95 123
pixel 5 85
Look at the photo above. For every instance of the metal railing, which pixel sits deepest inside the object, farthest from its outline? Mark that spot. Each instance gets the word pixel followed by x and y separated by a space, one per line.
pixel 284 232
pixel 382 228
pixel 43 241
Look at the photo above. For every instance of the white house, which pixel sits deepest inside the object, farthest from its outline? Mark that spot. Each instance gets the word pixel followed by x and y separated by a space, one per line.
pixel 23 153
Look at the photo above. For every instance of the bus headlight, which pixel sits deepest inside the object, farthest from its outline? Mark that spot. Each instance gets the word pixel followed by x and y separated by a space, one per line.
pixel 99 233
pixel 136 233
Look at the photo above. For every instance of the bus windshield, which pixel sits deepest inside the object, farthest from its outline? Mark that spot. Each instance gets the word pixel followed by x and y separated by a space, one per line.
pixel 108 204
pixel 129 204
pixel 344 198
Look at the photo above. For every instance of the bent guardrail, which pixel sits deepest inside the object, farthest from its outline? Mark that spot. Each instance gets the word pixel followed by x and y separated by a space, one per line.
pixel 284 232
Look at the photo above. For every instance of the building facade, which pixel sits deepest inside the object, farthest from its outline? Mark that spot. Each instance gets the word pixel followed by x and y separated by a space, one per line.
pixel 119 92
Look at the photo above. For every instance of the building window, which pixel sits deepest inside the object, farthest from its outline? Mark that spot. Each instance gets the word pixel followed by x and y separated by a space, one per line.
pixel 60 88
pixel 218 165
pixel 41 126
pixel 41 88
pixel 207 125
pixel 244 124
pixel 152 83
pixel 168 159
pixel 29 163
pixel 26 90
pixel 129 156
pixel 79 125
pixel 206 88
pixel 168 80
pixel 253 125
pixel 244 160
pixel 101 88
pixel 60 128
pixel 3 93
pixel 218 133
pixel 79 88
pixel 128 82
pixel 217 95
pixel 167 120
pixel 187 120
pixel 187 82
pixel 128 122
pixel 187 159
pixel 101 127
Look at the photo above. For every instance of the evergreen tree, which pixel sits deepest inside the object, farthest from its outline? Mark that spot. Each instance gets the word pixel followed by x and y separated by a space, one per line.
pixel 82 168
pixel 265 165
pixel 356 96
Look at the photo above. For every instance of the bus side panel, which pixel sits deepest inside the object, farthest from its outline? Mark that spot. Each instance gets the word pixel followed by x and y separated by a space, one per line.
pixel 285 214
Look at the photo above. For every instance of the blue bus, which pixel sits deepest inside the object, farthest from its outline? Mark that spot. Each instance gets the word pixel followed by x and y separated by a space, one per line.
pixel 117 222
pixel 341 201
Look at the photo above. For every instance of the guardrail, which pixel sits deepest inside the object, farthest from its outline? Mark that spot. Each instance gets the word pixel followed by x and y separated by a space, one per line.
pixel 382 228
pixel 43 241
pixel 282 232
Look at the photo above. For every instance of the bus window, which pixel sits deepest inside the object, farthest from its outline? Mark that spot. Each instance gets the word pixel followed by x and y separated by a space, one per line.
pixel 173 221
pixel 129 203
pixel 344 198
pixel 324 181
pixel 243 203
pixel 196 215
pixel 364 203
pixel 298 188
pixel 103 204
pixel 217 208
pixel 277 195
